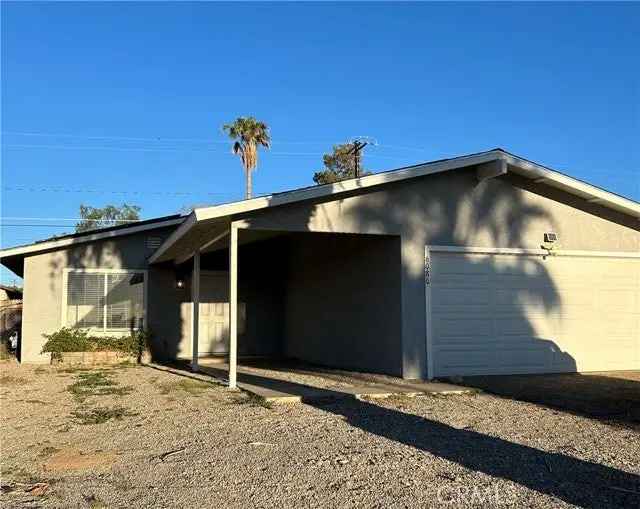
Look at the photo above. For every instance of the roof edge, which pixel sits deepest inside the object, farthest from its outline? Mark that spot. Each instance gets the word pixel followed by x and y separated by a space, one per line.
pixel 92 236
pixel 527 169
pixel 308 193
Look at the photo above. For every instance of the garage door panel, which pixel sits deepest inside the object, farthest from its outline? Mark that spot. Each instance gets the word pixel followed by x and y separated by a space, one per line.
pixel 521 314
pixel 447 266
pixel 623 326
pixel 618 301
pixel 452 327
pixel 526 296
pixel 462 281
pixel 530 325
pixel 462 297
pixel 452 362
pixel 536 357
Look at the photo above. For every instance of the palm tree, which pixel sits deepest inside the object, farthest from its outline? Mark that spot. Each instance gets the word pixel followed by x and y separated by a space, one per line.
pixel 249 133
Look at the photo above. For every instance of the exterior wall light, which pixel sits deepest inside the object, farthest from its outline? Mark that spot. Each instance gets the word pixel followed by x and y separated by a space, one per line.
pixel 179 283
pixel 550 239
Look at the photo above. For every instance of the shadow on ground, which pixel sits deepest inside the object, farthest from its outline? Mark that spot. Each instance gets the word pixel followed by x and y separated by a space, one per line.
pixel 613 397
pixel 572 480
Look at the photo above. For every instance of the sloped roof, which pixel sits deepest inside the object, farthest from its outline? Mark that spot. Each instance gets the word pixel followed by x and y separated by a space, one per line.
pixel 10 256
pixel 510 162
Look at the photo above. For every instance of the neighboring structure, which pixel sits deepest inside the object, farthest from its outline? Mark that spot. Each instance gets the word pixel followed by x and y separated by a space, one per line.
pixel 10 293
pixel 10 314
pixel 480 264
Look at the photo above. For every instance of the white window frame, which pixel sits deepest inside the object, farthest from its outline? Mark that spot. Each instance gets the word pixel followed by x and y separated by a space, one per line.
pixel 104 329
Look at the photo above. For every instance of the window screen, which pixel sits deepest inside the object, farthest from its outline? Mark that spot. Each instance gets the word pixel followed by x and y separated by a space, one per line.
pixel 105 300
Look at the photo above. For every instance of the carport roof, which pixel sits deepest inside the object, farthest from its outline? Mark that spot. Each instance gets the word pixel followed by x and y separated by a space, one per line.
pixel 207 223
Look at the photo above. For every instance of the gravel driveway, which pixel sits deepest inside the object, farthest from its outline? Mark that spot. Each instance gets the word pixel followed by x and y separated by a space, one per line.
pixel 138 437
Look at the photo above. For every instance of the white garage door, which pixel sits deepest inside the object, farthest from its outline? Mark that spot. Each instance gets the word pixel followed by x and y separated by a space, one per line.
pixel 520 313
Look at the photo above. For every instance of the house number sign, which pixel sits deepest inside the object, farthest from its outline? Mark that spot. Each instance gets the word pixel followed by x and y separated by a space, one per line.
pixel 427 270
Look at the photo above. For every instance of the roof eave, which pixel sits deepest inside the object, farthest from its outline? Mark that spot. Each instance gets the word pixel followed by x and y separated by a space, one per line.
pixel 89 237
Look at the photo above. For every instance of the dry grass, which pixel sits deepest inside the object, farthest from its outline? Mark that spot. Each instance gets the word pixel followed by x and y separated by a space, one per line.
pixel 185 386
pixel 96 383
pixel 12 380
pixel 100 415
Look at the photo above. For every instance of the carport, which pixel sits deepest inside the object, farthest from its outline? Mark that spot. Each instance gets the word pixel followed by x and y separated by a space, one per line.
pixel 330 299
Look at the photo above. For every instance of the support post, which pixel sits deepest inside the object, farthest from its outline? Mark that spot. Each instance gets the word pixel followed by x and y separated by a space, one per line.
pixel 233 306
pixel 195 310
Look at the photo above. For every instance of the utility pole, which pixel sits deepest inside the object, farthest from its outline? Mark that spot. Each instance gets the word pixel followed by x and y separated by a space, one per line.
pixel 357 147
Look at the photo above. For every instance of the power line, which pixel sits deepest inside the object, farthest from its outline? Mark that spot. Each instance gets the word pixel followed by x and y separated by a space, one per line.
pixel 155 139
pixel 117 149
pixel 120 138
pixel 114 191
pixel 10 218
pixel 144 149
pixel 2 225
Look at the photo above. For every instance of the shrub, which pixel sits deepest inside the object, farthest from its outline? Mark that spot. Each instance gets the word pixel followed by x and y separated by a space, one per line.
pixel 69 339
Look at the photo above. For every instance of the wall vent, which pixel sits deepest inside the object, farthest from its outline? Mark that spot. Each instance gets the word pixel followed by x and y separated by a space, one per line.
pixel 154 242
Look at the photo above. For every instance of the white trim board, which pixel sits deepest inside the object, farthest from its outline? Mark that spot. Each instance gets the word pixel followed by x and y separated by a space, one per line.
pixel 54 244
pixel 541 252
pixel 514 164
pixel 427 315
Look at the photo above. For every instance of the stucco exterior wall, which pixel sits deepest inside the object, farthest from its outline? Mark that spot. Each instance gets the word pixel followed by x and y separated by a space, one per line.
pixel 342 302
pixel 43 279
pixel 453 208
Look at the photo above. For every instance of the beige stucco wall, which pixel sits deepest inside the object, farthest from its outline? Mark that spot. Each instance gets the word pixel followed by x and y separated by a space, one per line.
pixel 453 208
pixel 342 301
pixel 43 277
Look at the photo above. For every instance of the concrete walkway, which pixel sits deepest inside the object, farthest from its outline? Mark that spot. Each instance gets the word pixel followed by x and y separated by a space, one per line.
pixel 276 384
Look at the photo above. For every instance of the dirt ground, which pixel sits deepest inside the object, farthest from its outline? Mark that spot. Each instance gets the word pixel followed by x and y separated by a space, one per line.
pixel 611 395
pixel 140 437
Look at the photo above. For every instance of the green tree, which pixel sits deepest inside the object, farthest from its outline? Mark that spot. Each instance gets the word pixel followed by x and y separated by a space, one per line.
pixel 110 215
pixel 248 134
pixel 339 165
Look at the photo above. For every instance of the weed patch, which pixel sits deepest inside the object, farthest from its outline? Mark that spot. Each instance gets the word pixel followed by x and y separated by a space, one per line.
pixel 48 451
pixel 94 502
pixel 253 400
pixel 74 370
pixel 96 383
pixel 11 380
pixel 100 415
pixel 35 402
pixel 18 474
pixel 186 386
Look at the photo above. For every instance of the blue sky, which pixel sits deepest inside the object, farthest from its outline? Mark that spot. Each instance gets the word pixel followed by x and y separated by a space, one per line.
pixel 121 102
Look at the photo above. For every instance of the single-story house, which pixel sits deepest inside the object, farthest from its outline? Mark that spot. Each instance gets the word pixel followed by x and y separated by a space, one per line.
pixel 481 264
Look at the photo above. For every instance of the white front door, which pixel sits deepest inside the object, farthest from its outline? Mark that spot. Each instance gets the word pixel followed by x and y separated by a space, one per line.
pixel 214 314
